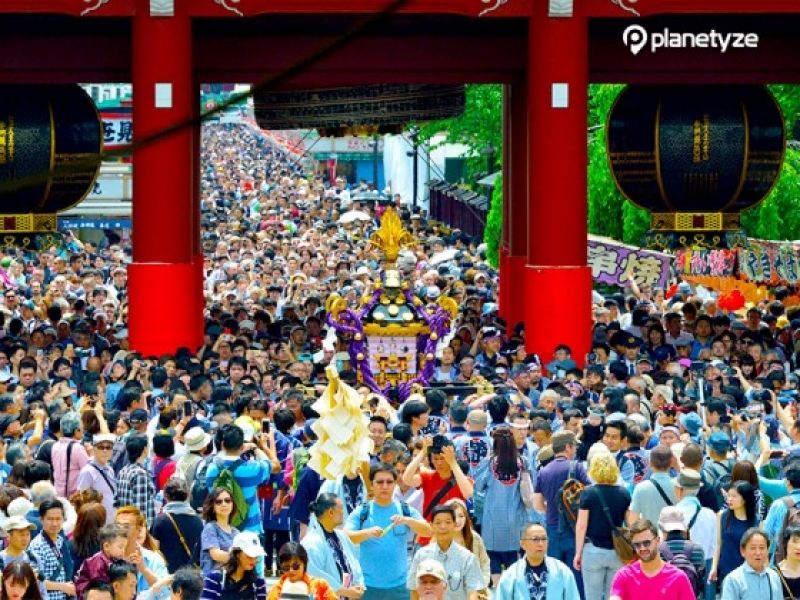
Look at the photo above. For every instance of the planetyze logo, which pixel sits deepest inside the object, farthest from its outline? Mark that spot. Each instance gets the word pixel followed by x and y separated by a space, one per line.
pixel 636 38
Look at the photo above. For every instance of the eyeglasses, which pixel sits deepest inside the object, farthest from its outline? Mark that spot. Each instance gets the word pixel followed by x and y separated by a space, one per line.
pixel 643 544
pixel 293 566
pixel 104 447
pixel 536 540
pixel 223 501
pixel 383 482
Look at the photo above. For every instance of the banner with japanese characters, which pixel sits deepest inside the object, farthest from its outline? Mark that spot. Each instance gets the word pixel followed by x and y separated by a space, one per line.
pixel 770 262
pixel 117 127
pixel 614 263
pixel 716 262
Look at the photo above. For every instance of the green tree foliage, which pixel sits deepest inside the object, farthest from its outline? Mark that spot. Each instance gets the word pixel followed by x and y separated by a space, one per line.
pixel 777 218
pixel 493 234
pixel 610 214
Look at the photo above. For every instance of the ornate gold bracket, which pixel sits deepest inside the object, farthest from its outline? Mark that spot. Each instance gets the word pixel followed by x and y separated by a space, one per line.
pixel 28 223
pixel 687 221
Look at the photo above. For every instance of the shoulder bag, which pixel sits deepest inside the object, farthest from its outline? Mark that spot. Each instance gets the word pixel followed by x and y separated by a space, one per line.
pixel 620 536
pixel 186 549
pixel 438 497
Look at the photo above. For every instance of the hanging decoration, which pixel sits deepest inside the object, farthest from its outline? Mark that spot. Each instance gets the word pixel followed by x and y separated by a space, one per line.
pixel 343 443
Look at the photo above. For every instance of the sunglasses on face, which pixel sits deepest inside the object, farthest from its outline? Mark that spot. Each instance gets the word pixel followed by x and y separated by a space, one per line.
pixel 643 544
pixel 293 566
pixel 223 501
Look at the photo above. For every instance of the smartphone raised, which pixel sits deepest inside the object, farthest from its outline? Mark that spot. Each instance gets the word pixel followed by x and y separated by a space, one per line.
pixel 698 366
pixel 265 425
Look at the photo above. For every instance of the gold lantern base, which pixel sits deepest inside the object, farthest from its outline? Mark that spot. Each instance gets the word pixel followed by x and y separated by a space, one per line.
pixel 690 221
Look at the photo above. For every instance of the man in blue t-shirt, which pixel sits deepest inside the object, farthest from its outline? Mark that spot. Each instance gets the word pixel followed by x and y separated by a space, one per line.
pixel 380 528
pixel 249 474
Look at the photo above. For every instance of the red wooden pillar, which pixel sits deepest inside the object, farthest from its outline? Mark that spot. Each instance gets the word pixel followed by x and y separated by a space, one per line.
pixel 515 203
pixel 558 280
pixel 198 279
pixel 164 308
pixel 504 272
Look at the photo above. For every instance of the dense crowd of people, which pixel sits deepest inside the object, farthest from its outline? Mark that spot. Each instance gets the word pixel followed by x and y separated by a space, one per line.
pixel 668 466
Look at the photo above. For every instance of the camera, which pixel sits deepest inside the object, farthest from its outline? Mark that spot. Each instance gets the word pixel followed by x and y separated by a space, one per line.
pixel 698 366
pixel 754 410
pixel 762 396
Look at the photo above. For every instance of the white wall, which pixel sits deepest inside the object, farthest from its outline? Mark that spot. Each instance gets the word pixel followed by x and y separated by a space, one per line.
pixel 399 168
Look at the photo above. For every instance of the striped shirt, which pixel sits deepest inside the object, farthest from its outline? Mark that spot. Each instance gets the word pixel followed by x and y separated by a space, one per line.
pixel 694 552
pixel 249 475
pixel 213 586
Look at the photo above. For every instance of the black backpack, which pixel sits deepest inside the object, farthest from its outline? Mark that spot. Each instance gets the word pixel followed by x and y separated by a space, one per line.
pixel 199 491
pixel 681 560
pixel 716 478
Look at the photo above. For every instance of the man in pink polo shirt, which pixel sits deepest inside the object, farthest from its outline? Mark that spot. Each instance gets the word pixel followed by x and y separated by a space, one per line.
pixel 649 577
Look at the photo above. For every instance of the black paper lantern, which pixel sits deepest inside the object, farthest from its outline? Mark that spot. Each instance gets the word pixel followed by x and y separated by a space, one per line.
pixel 695 156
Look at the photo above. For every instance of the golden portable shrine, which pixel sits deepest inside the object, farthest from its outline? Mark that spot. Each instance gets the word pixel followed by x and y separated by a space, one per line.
pixel 392 334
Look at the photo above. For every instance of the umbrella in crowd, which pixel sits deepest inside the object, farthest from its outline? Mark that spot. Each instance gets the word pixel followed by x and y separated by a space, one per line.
pixel 354 215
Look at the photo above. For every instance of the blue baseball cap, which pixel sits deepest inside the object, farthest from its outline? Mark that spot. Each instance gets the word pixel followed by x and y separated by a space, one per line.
pixel 719 442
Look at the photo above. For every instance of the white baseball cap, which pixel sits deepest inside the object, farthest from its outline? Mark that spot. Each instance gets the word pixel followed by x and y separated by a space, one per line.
pixel 431 567
pixel 248 542
pixel 99 438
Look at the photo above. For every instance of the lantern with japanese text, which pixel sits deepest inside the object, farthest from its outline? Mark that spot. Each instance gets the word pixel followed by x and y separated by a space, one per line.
pixel 51 137
pixel 695 157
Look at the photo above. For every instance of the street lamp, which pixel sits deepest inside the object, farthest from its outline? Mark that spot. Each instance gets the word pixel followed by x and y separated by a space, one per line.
pixel 413 133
